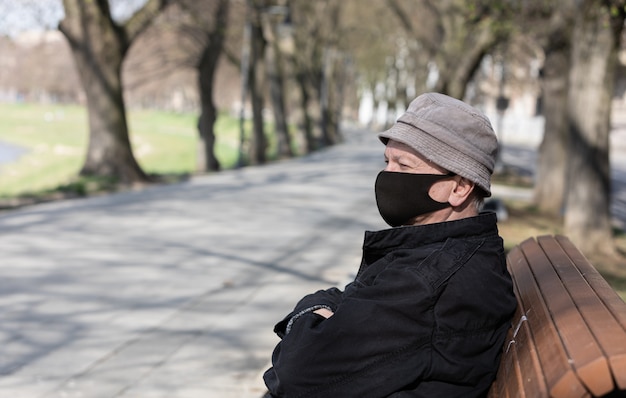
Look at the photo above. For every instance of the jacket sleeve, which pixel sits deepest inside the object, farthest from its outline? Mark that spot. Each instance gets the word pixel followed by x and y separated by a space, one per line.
pixel 366 349
pixel 329 299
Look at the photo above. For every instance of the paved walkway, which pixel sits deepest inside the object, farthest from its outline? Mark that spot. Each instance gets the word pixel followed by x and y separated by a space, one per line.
pixel 173 291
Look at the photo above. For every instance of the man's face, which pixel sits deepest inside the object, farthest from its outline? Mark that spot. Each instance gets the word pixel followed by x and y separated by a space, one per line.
pixel 402 158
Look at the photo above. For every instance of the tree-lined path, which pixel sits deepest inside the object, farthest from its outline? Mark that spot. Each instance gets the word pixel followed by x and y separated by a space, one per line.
pixel 172 291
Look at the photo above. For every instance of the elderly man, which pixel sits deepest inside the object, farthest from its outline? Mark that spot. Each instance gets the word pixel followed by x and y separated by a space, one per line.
pixel 427 313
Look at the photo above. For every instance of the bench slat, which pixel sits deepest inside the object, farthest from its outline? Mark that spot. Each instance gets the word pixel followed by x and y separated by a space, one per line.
pixel 499 388
pixel 592 323
pixel 514 389
pixel 611 333
pixel 610 298
pixel 560 377
pixel 569 332
pixel 530 384
pixel 532 381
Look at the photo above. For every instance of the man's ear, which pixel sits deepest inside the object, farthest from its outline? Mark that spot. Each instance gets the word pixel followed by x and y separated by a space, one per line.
pixel 461 191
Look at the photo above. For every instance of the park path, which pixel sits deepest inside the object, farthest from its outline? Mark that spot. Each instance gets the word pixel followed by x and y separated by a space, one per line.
pixel 172 291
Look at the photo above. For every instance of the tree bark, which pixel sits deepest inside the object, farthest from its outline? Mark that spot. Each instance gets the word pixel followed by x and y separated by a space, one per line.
pixel 315 38
pixel 551 173
pixel 327 92
pixel 327 84
pixel 275 74
pixel 258 143
pixel 99 46
pixel 594 54
pixel 461 34
pixel 307 120
pixel 455 72
pixel 207 161
pixel 304 60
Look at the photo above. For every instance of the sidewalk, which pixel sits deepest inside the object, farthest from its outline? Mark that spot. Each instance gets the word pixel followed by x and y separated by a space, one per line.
pixel 173 291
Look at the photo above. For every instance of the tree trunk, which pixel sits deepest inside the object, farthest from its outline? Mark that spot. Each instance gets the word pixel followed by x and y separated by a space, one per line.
pixel 98 62
pixel 552 163
pixel 330 129
pixel 456 72
pixel 391 92
pixel 376 106
pixel 258 143
pixel 99 47
pixel 327 84
pixel 307 120
pixel 207 161
pixel 315 35
pixel 109 150
pixel 594 55
pixel 277 82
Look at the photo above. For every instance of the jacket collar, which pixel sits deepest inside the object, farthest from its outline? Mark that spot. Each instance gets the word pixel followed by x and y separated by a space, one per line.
pixel 419 235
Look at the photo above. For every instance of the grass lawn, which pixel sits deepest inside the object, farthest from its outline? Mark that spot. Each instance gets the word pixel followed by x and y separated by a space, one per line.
pixel 525 221
pixel 56 139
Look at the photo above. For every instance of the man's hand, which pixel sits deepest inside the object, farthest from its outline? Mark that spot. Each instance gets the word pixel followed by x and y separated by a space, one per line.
pixel 325 312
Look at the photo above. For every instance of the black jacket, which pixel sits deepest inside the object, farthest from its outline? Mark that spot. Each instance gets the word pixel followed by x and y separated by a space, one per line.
pixel 426 316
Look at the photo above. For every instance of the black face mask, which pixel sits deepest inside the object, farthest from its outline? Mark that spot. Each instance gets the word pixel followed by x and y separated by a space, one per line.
pixel 403 196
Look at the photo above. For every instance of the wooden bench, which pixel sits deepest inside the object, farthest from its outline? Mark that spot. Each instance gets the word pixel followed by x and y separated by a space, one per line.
pixel 569 333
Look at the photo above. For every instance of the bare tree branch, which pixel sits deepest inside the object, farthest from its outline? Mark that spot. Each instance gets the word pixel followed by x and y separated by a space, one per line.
pixel 142 18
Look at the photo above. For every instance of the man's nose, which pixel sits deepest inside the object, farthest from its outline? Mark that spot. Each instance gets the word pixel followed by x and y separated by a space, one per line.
pixel 391 166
